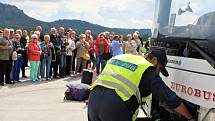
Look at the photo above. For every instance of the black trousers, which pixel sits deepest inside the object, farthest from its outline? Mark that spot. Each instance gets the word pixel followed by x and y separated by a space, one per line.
pixel 105 105
pixel 24 63
pixel 69 64
pixel 5 70
pixel 55 66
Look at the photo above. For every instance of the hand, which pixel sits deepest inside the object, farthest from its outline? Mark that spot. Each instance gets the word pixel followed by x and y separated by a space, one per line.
pixel 40 52
pixel 192 120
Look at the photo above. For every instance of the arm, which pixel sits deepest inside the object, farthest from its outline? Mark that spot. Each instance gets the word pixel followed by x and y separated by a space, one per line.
pixel 73 45
pixel 87 45
pixel 151 82
pixel 166 96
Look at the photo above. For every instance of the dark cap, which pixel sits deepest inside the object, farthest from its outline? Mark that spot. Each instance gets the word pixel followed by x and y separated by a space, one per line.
pixel 162 58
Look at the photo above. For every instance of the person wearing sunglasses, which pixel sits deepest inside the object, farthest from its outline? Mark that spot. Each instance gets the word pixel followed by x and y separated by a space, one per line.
pixel 34 53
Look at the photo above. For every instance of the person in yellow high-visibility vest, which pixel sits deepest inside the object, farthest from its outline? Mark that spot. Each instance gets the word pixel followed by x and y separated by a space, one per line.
pixel 125 82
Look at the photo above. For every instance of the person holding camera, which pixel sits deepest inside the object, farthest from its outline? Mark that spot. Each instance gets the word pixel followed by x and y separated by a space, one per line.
pixel 48 53
pixel 82 49
pixel 19 48
pixel 34 53
pixel 63 44
pixel 69 52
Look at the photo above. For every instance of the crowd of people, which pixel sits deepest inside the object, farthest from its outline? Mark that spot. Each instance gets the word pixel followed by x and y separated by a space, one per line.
pixel 59 54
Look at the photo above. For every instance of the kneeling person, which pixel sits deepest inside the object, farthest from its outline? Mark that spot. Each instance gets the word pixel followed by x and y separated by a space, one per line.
pixel 125 81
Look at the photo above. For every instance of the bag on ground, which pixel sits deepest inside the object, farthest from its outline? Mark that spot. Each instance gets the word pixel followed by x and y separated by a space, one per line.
pixel 77 92
pixel 87 76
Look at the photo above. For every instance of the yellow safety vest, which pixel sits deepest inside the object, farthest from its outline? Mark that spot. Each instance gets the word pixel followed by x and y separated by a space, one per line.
pixel 123 74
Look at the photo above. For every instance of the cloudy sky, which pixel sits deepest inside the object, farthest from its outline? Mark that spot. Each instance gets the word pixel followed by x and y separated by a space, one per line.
pixel 109 13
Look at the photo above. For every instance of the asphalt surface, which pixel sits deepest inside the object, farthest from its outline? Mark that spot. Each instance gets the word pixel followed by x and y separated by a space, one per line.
pixel 41 101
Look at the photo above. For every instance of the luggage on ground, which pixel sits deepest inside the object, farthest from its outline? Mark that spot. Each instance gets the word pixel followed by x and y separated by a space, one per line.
pixel 87 76
pixel 77 92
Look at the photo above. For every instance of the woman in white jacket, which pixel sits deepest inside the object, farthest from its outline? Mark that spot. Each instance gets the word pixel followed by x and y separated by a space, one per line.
pixel 69 53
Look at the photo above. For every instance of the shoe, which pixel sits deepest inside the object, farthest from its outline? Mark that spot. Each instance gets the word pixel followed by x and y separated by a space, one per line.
pixel 2 84
pixel 56 77
pixel 24 76
pixel 10 82
pixel 38 80
pixel 48 79
pixel 43 79
pixel 33 80
pixel 18 81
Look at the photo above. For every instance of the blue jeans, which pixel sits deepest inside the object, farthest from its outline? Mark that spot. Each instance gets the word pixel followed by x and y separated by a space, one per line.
pixel 62 64
pixel 16 68
pixel 99 60
pixel 45 67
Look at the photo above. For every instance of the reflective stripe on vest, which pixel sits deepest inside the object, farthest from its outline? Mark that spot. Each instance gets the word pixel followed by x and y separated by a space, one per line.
pixel 126 82
pixel 115 85
pixel 125 71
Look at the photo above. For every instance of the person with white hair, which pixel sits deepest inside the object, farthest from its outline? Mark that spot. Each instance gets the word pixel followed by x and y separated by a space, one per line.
pixel 48 54
pixel 5 62
pixel 139 44
pixel 54 38
pixel 130 46
pixel 34 53
pixel 19 48
pixel 40 29
pixel 69 52
pixel 24 42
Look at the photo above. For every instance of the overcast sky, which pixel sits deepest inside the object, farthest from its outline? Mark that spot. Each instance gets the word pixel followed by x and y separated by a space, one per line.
pixel 109 13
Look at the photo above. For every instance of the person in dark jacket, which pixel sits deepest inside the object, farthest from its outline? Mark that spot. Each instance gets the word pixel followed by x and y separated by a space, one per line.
pixel 23 41
pixel 116 95
pixel 54 38
pixel 63 44
pixel 19 48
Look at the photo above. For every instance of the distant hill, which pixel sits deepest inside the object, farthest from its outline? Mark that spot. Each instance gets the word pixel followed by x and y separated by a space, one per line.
pixel 11 16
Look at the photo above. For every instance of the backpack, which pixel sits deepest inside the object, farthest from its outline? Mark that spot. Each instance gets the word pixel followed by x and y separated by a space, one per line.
pixel 77 92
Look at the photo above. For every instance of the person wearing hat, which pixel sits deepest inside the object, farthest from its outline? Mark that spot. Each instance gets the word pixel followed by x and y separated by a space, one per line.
pixel 82 49
pixel 126 82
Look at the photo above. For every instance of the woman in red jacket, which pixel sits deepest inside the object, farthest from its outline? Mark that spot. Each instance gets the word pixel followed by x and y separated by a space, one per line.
pixel 91 50
pixel 101 47
pixel 34 53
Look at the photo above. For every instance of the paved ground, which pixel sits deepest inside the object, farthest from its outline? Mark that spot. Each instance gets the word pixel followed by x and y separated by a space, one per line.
pixel 41 101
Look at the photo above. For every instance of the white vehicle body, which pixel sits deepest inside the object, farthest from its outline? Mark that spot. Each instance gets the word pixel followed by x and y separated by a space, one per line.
pixel 193 80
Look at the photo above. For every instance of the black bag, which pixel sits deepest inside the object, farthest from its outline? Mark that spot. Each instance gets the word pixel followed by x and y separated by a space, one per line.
pixel 87 76
pixel 77 92
pixel 107 56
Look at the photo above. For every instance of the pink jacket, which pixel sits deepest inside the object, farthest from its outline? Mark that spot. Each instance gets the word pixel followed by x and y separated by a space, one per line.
pixel 34 51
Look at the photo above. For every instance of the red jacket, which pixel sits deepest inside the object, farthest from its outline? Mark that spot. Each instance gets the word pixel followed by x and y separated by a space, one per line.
pixel 34 51
pixel 97 44
pixel 91 49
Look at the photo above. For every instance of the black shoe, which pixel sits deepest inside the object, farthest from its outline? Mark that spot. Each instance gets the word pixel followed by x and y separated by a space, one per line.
pixel 10 82
pixel 56 77
pixel 2 84
pixel 24 76
pixel 18 81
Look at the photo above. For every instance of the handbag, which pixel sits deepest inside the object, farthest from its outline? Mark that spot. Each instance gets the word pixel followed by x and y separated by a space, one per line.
pixel 86 56
pixel 14 55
